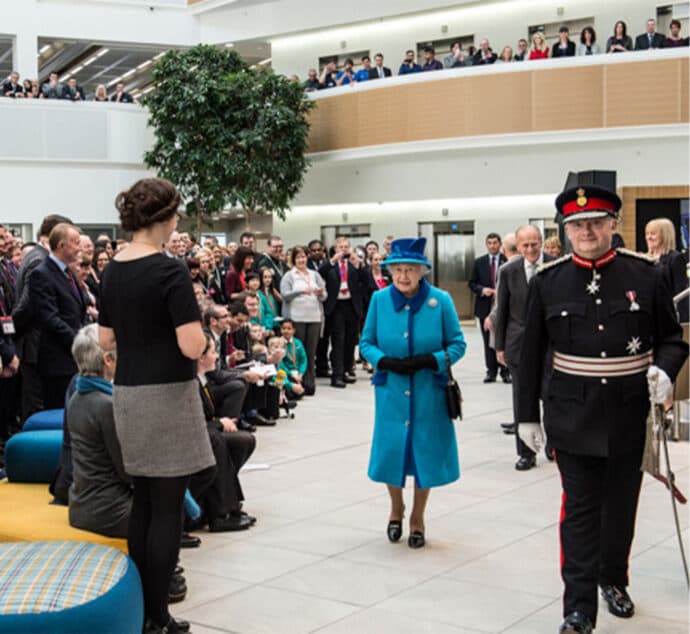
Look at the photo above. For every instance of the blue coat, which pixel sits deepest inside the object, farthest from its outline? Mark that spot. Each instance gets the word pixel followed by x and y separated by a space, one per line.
pixel 413 434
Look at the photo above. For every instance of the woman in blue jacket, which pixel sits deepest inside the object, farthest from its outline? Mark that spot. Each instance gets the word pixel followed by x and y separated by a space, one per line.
pixel 410 328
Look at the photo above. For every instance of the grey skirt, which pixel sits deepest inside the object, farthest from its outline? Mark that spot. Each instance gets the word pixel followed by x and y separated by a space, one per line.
pixel 162 429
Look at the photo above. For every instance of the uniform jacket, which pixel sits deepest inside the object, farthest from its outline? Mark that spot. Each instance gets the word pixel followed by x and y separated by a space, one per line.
pixel 627 311
pixel 413 434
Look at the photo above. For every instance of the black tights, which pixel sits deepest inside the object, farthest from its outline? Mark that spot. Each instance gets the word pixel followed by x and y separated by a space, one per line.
pixel 155 526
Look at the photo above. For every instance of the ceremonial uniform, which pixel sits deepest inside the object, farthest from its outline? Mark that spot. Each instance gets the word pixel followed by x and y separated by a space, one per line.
pixel 603 322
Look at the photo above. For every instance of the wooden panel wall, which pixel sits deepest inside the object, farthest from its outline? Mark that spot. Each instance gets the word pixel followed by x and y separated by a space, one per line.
pixel 609 95
pixel 630 196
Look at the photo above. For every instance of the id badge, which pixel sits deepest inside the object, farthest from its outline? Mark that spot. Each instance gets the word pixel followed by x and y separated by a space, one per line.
pixel 7 325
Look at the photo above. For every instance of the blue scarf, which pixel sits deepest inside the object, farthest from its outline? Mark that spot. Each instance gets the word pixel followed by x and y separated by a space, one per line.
pixel 86 384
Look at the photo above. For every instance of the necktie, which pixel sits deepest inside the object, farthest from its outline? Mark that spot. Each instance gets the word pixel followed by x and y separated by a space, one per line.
pixel 380 73
pixel 343 278
pixel 73 285
pixel 651 39
pixel 492 269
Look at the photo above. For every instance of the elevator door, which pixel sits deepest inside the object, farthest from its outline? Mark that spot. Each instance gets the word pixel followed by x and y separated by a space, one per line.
pixel 454 256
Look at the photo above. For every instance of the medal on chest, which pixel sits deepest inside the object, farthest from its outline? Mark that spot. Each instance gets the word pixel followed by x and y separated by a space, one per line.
pixel 632 298
pixel 593 287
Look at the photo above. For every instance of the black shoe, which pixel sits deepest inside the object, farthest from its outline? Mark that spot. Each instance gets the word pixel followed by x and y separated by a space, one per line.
pixel 251 518
pixel 349 379
pixel 525 463
pixel 289 404
pixel 229 523
pixel 178 570
pixel 176 626
pixel 576 623
pixel 619 601
pixel 260 421
pixel 416 540
pixel 243 425
pixel 490 378
pixel 394 531
pixel 509 428
pixel 323 374
pixel 177 590
pixel 506 378
pixel 338 383
pixel 351 373
pixel 189 541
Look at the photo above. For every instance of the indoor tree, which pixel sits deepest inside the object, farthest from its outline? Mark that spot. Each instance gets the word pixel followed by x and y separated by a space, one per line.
pixel 227 134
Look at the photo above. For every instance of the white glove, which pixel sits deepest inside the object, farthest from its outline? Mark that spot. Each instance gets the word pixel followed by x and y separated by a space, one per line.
pixel 660 386
pixel 532 435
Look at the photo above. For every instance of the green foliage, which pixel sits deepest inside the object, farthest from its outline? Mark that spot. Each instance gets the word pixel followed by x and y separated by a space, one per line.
pixel 227 134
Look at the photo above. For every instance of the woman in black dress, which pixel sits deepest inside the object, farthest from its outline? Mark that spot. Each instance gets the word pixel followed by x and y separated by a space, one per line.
pixel 148 310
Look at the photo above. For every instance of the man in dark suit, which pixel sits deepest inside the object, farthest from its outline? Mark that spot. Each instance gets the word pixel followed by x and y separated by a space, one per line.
pixel 510 318
pixel 344 309
pixel 379 71
pixel 483 284
pixel 650 39
pixel 60 312
pixel 72 91
pixel 28 333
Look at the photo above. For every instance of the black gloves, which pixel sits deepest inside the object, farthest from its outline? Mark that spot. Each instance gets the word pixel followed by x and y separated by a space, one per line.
pixel 394 364
pixel 409 365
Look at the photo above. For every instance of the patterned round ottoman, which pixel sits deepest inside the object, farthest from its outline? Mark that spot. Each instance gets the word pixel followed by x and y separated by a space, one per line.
pixel 47 419
pixel 33 456
pixel 68 588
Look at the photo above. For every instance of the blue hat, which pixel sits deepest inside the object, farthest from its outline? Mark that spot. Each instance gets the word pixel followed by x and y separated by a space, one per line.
pixel 407 251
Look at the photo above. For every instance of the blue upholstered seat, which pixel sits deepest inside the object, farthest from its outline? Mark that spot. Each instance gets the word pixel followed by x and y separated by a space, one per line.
pixel 33 456
pixel 68 588
pixel 47 419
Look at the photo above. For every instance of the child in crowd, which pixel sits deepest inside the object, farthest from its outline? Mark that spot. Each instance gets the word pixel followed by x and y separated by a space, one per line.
pixel 265 315
pixel 295 361
pixel 259 351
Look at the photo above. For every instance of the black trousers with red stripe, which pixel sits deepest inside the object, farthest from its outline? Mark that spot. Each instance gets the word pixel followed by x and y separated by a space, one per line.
pixel 597 524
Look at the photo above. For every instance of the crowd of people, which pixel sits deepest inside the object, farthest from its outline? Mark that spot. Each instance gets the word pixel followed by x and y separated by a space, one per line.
pixel 618 42
pixel 52 88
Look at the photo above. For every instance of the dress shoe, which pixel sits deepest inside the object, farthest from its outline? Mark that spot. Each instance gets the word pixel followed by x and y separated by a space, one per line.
pixel 525 463
pixel 619 601
pixel 260 421
pixel 177 590
pixel 189 541
pixel 416 539
pixel 576 623
pixel 349 379
pixel 178 570
pixel 176 626
pixel 251 518
pixel 509 428
pixel 489 379
pixel 243 425
pixel 338 383
pixel 229 523
pixel 506 378
pixel 351 373
pixel 394 531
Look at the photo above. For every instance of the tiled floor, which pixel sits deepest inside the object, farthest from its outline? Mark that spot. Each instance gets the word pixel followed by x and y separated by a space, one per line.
pixel 318 559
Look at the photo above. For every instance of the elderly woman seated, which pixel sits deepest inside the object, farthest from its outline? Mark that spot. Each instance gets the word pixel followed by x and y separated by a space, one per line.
pixel 100 496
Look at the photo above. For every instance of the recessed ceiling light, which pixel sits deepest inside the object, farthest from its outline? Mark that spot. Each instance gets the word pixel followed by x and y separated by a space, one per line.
pixel 114 81
pixel 91 60
pixel 129 72
pixel 75 70
pixel 43 49
pixel 102 52
pixel 144 64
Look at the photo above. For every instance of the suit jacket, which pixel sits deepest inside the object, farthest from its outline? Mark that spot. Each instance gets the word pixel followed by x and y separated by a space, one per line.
pixel 59 315
pixel 511 305
pixel 24 313
pixel 374 73
pixel 642 41
pixel 481 279
pixel 557 52
pixel 77 96
pixel 331 275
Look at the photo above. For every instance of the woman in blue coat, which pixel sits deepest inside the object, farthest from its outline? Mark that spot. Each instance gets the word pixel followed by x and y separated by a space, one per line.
pixel 409 329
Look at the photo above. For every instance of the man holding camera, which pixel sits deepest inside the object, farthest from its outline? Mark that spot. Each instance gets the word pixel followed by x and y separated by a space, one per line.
pixel 343 275
pixel 408 65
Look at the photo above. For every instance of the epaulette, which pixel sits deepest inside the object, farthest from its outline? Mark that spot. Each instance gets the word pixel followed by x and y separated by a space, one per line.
pixel 549 265
pixel 634 254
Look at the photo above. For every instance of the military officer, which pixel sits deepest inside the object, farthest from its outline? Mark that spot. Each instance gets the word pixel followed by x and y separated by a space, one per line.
pixel 606 319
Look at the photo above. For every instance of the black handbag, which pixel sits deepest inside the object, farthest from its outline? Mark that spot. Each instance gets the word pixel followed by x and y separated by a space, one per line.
pixel 453 394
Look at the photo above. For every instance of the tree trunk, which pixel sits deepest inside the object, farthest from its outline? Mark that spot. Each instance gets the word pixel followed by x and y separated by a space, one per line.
pixel 199 219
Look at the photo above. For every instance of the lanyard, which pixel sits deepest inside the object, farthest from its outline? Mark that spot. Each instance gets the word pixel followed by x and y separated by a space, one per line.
pixel 293 354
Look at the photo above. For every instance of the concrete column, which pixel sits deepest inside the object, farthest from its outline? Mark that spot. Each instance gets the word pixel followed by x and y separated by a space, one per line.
pixel 24 55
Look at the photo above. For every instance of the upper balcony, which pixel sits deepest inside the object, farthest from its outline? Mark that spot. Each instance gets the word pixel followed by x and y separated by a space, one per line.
pixel 504 103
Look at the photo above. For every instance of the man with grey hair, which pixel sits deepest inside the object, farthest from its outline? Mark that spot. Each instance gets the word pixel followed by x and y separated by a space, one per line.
pixel 273 258
pixel 511 304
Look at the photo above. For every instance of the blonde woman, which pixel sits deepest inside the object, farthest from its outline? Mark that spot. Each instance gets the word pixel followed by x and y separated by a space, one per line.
pixel 100 95
pixel 660 234
pixel 539 49
pixel 553 247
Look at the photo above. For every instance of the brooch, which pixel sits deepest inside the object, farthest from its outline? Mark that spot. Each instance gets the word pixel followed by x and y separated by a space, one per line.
pixel 634 345
pixel 632 298
pixel 433 302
